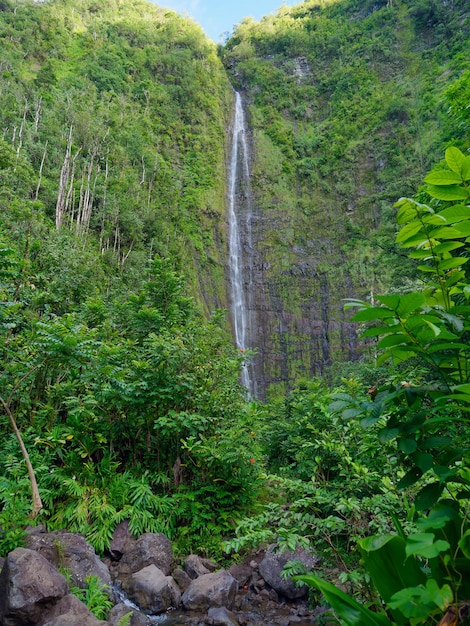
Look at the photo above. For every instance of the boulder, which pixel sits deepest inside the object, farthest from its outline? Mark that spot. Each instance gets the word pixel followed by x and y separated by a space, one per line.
pixel 70 551
pixel 120 610
pixel 241 573
pixel 182 579
pixel 70 611
pixel 149 549
pixel 273 563
pixel 210 590
pixel 29 587
pixel 210 564
pixel 152 591
pixel 121 540
pixel 194 567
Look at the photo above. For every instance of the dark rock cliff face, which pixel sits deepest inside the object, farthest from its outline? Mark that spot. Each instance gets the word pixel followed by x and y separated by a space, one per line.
pixel 295 293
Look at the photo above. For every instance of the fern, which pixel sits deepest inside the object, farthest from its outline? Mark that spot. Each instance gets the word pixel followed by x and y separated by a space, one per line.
pixel 95 595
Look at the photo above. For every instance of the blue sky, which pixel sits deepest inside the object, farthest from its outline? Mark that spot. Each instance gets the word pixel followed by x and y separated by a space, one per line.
pixel 219 16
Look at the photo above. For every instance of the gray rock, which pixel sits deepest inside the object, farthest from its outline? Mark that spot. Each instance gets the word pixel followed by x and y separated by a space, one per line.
pixel 273 563
pixel 70 551
pixel 210 590
pixel 29 586
pixel 121 541
pixel 70 611
pixel 182 579
pixel 242 573
pixel 149 549
pixel 194 567
pixel 121 609
pixel 222 617
pixel 210 564
pixel 152 591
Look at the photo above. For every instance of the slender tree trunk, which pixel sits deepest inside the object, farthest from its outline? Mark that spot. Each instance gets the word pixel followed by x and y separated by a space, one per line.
pixel 63 183
pixel 40 171
pixel 37 503
pixel 20 134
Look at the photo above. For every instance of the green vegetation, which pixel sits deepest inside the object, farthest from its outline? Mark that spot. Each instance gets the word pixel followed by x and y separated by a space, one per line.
pixel 119 384
pixel 96 596
pixel 423 573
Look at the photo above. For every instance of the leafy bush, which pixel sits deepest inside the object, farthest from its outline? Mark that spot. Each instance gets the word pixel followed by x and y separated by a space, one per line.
pixel 422 574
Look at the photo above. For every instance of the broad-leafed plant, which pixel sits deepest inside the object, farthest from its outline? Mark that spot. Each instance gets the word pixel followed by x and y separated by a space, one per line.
pixel 426 573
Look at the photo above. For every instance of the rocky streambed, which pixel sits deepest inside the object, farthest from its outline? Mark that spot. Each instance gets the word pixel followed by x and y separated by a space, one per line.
pixel 146 581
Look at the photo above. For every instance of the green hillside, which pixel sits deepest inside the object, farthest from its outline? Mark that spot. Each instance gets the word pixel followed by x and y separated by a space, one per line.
pixel 117 113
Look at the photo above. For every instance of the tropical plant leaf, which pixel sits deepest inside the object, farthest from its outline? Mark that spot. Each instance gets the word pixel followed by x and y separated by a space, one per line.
pixel 464 543
pixel 449 192
pixel 428 496
pixel 424 544
pixel 454 159
pixel 411 229
pixel 351 612
pixel 385 560
pixel 373 313
pixel 443 177
pixel 465 171
pixel 455 213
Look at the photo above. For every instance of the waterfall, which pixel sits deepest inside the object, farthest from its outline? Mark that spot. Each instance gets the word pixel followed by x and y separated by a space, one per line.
pixel 239 208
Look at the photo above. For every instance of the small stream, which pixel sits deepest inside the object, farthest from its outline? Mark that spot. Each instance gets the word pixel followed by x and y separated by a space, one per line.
pixel 265 614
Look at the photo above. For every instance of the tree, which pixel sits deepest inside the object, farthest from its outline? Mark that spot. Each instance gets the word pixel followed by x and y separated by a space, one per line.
pixel 7 308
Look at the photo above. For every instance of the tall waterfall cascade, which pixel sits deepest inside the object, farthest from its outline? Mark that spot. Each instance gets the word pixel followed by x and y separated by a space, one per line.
pixel 239 221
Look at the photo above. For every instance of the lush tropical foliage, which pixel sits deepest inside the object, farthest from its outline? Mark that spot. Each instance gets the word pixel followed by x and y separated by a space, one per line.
pixel 119 383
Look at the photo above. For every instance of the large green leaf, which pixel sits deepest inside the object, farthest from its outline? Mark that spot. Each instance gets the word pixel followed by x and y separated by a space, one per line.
pixel 466 168
pixel 464 543
pixel 449 192
pixel 447 232
pixel 443 177
pixel 385 560
pixel 351 612
pixel 390 341
pixel 447 246
pixel 428 496
pixel 390 300
pixel 455 159
pixel 410 229
pixel 421 601
pixel 456 213
pixel 463 228
pixel 373 313
pixel 376 331
pixel 410 302
pixel 425 545
pixel 449 264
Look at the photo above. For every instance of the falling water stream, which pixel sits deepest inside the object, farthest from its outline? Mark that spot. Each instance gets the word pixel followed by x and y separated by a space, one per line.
pixel 239 208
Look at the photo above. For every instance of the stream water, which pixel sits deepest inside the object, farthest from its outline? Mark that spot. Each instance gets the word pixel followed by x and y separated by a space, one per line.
pixel 261 615
pixel 239 218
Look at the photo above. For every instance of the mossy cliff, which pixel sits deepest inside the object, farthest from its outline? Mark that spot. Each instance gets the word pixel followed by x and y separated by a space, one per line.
pixel 117 112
